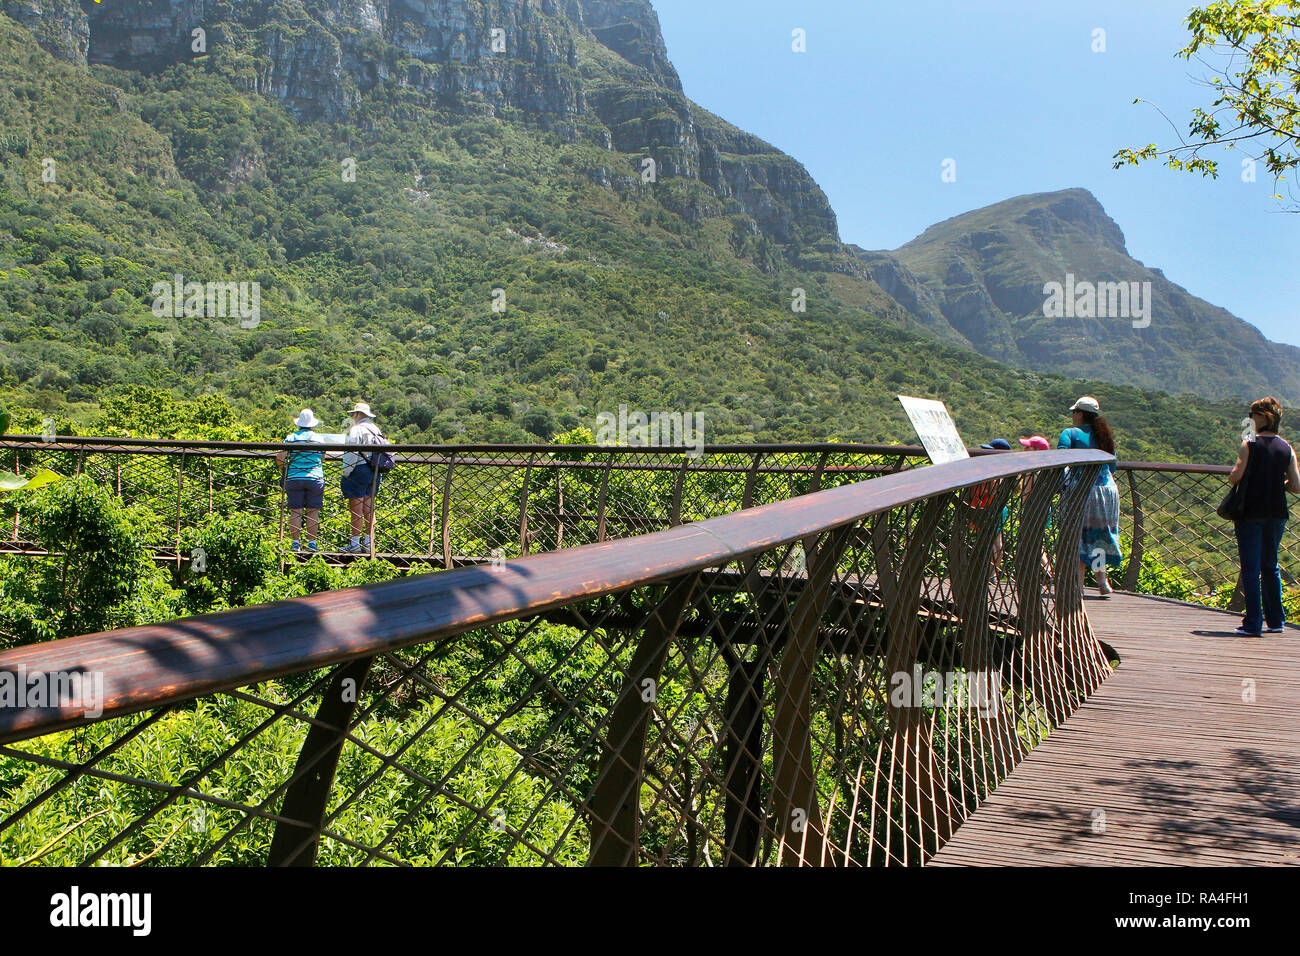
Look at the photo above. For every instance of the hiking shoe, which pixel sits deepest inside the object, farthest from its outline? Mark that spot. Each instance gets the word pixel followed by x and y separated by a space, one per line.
pixel 313 546
pixel 1275 630
pixel 295 546
pixel 1245 633
pixel 352 549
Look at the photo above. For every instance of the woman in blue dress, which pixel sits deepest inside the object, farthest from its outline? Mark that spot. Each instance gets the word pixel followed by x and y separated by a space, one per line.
pixel 1099 548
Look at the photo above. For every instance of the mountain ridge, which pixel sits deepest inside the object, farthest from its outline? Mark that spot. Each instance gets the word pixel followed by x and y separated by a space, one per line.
pixel 979 279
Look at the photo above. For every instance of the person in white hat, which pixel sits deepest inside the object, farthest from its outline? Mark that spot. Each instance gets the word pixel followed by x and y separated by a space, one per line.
pixel 1099 549
pixel 304 480
pixel 360 479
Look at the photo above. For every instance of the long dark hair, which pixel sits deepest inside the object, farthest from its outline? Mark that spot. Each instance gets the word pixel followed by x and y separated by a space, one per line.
pixel 1103 437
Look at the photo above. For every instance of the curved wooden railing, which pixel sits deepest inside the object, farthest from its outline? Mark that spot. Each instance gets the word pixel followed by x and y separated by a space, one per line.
pixel 753 688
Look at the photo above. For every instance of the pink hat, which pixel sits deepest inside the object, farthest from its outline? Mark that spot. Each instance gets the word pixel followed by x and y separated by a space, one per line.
pixel 1036 443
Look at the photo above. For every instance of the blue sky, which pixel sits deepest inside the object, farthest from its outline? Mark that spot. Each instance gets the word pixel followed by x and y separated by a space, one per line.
pixel 1012 91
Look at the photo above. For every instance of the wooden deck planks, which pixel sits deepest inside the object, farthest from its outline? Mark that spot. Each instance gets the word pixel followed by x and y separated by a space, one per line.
pixel 1184 770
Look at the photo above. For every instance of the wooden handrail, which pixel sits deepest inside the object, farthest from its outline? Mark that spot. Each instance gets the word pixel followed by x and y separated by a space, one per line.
pixel 157 665
pixel 492 453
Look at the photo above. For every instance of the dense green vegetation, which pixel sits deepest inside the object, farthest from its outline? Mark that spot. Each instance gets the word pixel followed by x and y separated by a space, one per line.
pixel 382 288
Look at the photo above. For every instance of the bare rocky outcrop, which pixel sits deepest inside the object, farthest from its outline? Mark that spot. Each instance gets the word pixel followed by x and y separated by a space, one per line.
pixel 516 59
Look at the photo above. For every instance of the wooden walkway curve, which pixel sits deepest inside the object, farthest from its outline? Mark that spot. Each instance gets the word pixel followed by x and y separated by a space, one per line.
pixel 1166 764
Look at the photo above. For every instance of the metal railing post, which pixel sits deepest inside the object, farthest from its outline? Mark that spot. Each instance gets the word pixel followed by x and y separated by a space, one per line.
pixel 523 507
pixel 1138 545
pixel 297 836
pixel 446 514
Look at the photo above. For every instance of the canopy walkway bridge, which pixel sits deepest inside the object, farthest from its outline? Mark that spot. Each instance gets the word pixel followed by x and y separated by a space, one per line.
pixel 1187 755
pixel 794 655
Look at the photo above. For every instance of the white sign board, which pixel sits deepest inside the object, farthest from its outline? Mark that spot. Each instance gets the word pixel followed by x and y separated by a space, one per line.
pixel 936 429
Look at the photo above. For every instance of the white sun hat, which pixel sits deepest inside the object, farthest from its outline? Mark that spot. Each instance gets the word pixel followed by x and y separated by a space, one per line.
pixel 307 419
pixel 1087 404
pixel 363 409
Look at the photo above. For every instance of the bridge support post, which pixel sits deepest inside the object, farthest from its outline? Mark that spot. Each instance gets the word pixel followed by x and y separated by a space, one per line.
pixel 743 805
pixel 911 773
pixel 523 507
pixel 1076 652
pixel 970 570
pixel 614 806
pixel 446 513
pixel 794 782
pixel 1138 545
pixel 297 837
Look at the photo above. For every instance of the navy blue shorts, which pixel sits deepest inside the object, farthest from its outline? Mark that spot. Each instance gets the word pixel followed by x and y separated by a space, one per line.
pixel 357 484
pixel 306 493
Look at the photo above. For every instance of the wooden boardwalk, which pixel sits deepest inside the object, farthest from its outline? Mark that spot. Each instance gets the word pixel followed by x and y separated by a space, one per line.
pixel 1166 764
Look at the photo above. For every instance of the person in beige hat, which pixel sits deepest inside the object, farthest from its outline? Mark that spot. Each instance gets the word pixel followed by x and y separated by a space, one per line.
pixel 360 479
pixel 1100 548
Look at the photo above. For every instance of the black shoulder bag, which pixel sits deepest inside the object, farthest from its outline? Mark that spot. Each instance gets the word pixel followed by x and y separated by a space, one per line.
pixel 1233 505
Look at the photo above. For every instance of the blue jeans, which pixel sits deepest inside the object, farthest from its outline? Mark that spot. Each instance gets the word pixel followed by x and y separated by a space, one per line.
pixel 1257 544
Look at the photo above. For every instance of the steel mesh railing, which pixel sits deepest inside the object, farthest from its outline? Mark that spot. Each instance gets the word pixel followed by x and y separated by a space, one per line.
pixel 1169 512
pixel 451 505
pixel 456 505
pixel 834 679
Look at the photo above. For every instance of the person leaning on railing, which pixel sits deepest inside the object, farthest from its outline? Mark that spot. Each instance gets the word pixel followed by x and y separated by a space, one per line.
pixel 304 480
pixel 1100 547
pixel 1269 464
pixel 360 478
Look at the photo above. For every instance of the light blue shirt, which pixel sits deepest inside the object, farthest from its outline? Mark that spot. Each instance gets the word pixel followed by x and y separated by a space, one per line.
pixel 305 466
pixel 1083 438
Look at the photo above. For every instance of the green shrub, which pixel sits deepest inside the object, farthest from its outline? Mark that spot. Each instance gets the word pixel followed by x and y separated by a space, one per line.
pixel 1164 580
pixel 238 559
pixel 99 574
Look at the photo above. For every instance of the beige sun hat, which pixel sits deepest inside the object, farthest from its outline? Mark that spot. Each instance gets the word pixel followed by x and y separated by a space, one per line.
pixel 361 408
pixel 1087 404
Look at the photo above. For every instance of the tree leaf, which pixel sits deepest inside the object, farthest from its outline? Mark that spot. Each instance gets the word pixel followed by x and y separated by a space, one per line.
pixel 11 482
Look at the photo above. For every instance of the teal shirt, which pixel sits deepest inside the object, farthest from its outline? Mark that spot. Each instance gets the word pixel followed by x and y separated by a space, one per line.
pixel 1083 438
pixel 305 466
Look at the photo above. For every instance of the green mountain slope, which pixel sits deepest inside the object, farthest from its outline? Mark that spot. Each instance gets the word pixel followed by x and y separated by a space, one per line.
pixel 472 175
pixel 979 279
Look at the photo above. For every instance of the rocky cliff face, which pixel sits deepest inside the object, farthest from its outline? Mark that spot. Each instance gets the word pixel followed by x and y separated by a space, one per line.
pixel 517 59
pixel 60 26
